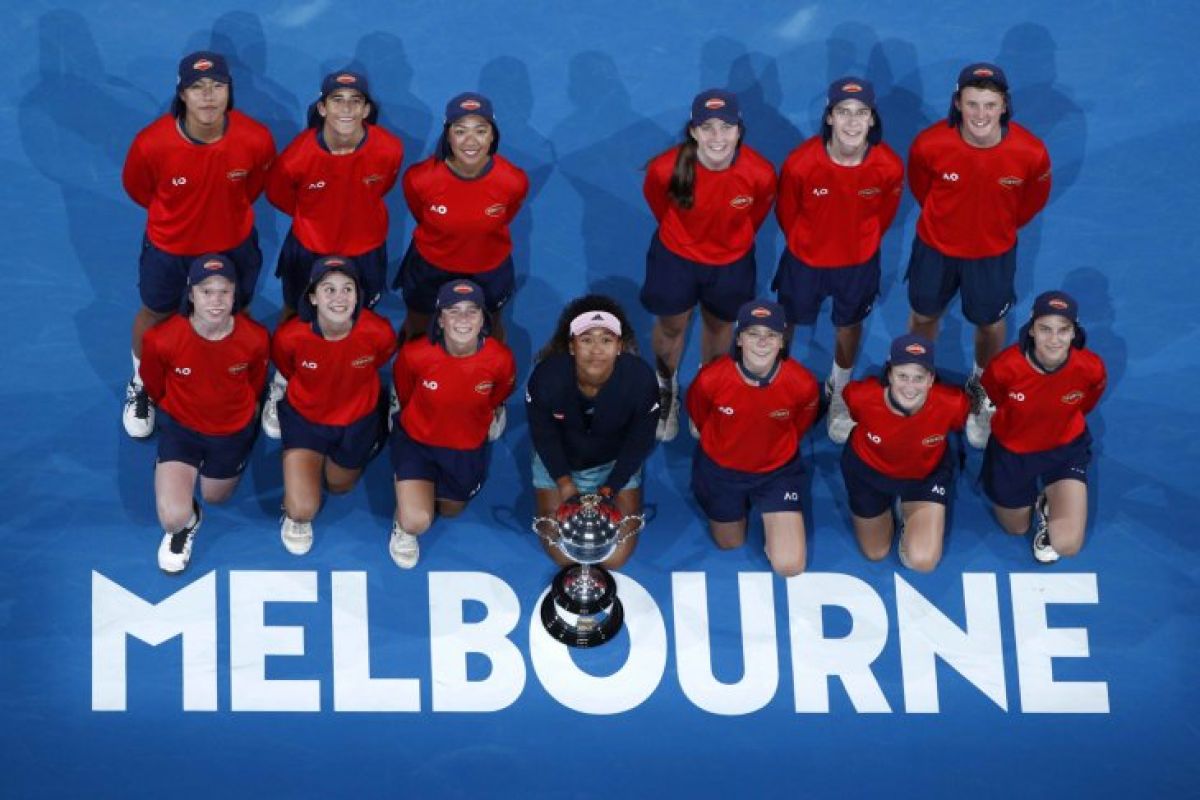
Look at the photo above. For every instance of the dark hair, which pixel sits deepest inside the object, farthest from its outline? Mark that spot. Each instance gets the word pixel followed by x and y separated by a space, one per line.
pixel 178 109
pixel 560 340
pixel 441 151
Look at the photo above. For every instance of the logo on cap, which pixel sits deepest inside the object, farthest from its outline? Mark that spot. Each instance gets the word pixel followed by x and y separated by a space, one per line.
pixel 203 65
pixel 470 104
pixel 334 262
pixel 851 88
pixel 462 288
pixel 214 263
pixel 915 349
pixel 760 312
pixel 346 79
pixel 598 317
pixel 983 72
pixel 1061 305
pixel 713 103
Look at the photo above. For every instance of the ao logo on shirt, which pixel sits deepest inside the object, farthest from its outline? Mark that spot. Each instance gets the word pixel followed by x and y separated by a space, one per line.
pixel 726 410
pixel 1018 396
pixel 183 370
pixel 308 364
pixel 317 185
pixel 179 181
pixel 820 191
pixel 950 176
pixel 430 385
pixel 438 209
pixel 875 437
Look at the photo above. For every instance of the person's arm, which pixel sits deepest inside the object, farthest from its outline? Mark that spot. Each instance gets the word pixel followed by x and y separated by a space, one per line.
pixel 698 402
pixel 654 189
pixel 153 368
pixel 639 435
pixel 518 198
pixel 395 161
pixel 545 431
pixel 281 186
pixel 137 177
pixel 892 190
pixel 257 179
pixel 993 383
pixel 506 379
pixel 257 371
pixel 1036 191
pixel 412 193
pixel 282 352
pixel 919 177
pixel 1096 390
pixel 808 404
pixel 764 195
pixel 787 202
pixel 404 380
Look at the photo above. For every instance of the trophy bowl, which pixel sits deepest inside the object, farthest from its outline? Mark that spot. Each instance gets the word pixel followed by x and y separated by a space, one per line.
pixel 582 608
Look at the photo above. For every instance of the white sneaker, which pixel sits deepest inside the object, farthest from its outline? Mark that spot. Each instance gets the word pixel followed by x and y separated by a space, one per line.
pixel 499 421
pixel 838 422
pixel 1042 549
pixel 979 422
pixel 138 415
pixel 668 411
pixel 270 411
pixel 297 536
pixel 175 550
pixel 403 547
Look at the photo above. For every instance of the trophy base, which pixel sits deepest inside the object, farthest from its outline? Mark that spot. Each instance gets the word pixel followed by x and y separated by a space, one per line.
pixel 582 619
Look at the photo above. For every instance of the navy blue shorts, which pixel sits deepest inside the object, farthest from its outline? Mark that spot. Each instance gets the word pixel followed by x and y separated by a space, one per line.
pixel 986 283
pixel 349 446
pixel 802 289
pixel 455 474
pixel 1011 480
pixel 674 284
pixel 162 277
pixel 726 495
pixel 217 457
pixel 870 492
pixel 295 267
pixel 419 281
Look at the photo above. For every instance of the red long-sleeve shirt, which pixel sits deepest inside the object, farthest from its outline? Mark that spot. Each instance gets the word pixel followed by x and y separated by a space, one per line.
pixel 448 401
pixel 899 446
pixel 199 196
pixel 462 223
pixel 1036 411
pixel 728 209
pixel 211 387
pixel 336 201
pixel 333 382
pixel 752 428
pixel 834 215
pixel 974 199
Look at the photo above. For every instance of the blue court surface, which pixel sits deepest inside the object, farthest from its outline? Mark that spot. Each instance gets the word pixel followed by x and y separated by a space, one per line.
pixel 259 674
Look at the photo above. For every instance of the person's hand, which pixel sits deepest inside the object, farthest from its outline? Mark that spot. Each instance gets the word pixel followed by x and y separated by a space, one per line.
pixel 569 508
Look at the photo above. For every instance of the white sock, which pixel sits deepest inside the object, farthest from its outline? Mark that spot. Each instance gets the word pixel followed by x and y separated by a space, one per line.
pixel 976 371
pixel 137 364
pixel 840 376
pixel 280 381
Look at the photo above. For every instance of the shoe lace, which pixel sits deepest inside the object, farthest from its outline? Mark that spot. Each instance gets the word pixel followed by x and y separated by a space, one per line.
pixel 141 405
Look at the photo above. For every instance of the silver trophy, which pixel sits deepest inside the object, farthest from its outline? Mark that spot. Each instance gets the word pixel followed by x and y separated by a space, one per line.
pixel 582 608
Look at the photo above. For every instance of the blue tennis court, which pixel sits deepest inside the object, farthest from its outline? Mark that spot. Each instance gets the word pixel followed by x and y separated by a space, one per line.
pixel 257 673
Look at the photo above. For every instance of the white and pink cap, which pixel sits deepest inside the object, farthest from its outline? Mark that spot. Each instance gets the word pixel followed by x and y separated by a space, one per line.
pixel 595 319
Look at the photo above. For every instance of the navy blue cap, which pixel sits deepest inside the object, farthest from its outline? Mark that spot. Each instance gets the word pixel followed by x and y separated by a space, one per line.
pixel 911 348
pixel 852 88
pixel 716 103
pixel 458 290
pixel 467 103
pixel 202 64
pixel 208 265
pixel 981 72
pixel 761 312
pixel 1056 303
pixel 322 267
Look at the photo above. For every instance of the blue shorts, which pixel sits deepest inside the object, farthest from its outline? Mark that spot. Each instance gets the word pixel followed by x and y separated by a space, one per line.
pixel 870 492
pixel 987 283
pixel 295 267
pixel 802 289
pixel 587 481
pixel 217 457
pixel 1011 480
pixel 455 474
pixel 162 277
pixel 726 495
pixel 349 446
pixel 419 281
pixel 674 284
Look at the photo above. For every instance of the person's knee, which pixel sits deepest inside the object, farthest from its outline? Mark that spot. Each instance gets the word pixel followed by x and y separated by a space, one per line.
pixel 672 327
pixel 875 552
pixel 787 566
pixel 416 520
pixel 922 559
pixel 301 508
pixel 450 510
pixel 216 494
pixel 174 515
